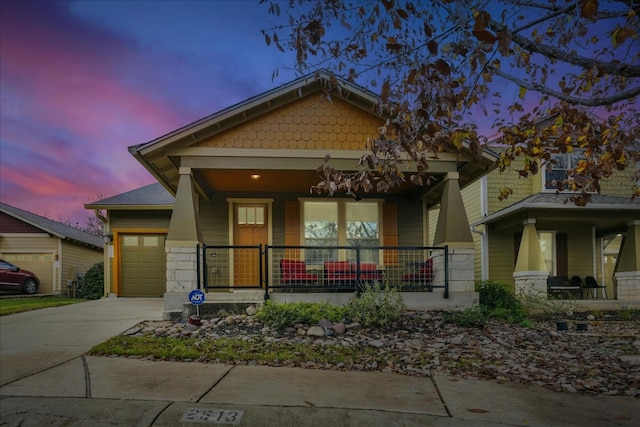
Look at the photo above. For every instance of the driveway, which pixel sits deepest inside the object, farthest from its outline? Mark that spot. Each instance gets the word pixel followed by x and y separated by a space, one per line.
pixel 33 341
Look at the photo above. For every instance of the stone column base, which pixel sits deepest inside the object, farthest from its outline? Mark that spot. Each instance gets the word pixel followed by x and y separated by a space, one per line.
pixel 531 283
pixel 628 285
pixel 461 272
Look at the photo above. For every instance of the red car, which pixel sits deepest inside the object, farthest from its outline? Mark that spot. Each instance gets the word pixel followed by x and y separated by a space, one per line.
pixel 13 278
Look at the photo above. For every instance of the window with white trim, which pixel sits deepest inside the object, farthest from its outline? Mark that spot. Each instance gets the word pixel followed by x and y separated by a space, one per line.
pixel 556 171
pixel 340 223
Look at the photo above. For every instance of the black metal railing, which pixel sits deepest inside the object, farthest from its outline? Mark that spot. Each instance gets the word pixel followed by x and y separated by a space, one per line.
pixel 324 268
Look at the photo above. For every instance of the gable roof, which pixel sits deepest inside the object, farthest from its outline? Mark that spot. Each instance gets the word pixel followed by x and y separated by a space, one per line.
pixel 152 196
pixel 52 227
pixel 162 156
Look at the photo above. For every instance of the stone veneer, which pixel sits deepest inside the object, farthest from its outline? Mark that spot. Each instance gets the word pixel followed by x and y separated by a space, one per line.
pixel 531 283
pixel 181 268
pixel 461 274
pixel 628 285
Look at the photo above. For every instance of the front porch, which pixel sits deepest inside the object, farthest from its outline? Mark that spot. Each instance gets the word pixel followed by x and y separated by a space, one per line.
pixel 427 278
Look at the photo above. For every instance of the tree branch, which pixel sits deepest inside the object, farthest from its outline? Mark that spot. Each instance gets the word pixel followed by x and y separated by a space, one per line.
pixel 615 68
pixel 587 102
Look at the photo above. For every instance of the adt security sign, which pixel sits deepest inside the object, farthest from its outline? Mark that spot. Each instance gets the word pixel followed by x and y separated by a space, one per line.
pixel 196 297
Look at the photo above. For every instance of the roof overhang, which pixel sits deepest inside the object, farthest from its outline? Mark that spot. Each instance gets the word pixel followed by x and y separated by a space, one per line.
pixel 608 214
pixel 220 169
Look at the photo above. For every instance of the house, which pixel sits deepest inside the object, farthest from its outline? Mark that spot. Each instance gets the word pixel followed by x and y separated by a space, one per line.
pixel 535 233
pixel 234 188
pixel 57 253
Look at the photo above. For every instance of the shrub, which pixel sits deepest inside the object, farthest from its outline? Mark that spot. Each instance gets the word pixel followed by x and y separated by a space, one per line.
pixel 280 316
pixel 497 301
pixel 93 283
pixel 376 306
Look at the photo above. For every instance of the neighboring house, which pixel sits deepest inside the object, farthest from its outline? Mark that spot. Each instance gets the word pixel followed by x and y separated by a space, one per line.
pixel 601 239
pixel 57 253
pixel 242 177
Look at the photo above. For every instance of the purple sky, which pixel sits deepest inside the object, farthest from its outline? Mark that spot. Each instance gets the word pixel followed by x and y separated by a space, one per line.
pixel 80 81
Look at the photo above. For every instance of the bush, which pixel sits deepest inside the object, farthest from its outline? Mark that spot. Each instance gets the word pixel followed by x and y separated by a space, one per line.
pixel 280 316
pixel 497 301
pixel 93 283
pixel 376 306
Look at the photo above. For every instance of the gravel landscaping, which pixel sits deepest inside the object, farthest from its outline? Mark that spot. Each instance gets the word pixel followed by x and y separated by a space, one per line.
pixel 603 359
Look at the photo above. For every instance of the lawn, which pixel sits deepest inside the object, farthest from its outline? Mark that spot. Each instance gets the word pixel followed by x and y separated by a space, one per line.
pixel 18 305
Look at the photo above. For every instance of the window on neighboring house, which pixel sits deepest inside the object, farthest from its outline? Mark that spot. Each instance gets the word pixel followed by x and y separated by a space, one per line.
pixel 555 172
pixel 340 223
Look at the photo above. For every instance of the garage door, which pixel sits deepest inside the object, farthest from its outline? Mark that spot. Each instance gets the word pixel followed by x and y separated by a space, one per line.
pixel 143 261
pixel 40 264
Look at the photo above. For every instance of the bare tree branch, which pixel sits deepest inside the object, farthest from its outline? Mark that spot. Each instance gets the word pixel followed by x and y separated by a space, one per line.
pixel 587 102
pixel 618 68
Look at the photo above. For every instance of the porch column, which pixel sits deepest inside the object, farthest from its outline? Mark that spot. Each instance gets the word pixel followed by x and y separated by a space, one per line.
pixel 628 274
pixel 531 272
pixel 453 230
pixel 181 246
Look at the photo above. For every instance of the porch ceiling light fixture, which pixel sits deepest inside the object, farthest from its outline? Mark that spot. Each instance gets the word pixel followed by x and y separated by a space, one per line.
pixel 255 176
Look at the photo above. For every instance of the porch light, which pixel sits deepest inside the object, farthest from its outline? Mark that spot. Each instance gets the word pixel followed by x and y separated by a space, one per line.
pixel 255 176
pixel 107 238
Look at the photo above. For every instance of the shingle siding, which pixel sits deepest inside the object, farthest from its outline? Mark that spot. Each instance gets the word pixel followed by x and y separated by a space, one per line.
pixel 312 123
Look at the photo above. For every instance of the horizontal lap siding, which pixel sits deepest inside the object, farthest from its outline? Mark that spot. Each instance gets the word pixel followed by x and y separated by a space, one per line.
pixel 77 259
pixel 214 220
pixel 501 256
pixel 619 184
pixel 472 198
pixel 140 220
pixel 35 243
pixel 410 229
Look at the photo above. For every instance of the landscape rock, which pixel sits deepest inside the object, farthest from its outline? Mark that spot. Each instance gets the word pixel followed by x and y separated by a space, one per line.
pixel 340 328
pixel 602 361
pixel 315 331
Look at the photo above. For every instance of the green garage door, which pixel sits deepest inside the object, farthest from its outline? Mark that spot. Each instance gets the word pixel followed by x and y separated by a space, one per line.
pixel 143 265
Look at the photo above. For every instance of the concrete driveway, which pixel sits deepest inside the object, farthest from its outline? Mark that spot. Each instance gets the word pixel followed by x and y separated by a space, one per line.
pixel 37 340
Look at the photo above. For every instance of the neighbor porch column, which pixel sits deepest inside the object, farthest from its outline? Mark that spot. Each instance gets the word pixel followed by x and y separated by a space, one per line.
pixel 181 247
pixel 628 272
pixel 531 272
pixel 453 230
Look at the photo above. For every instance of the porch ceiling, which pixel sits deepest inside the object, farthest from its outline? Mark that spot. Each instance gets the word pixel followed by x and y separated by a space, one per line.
pixel 292 181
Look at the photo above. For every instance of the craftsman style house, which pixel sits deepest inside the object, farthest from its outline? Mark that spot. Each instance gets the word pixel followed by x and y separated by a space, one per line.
pixel 232 213
pixel 233 201
pixel 600 240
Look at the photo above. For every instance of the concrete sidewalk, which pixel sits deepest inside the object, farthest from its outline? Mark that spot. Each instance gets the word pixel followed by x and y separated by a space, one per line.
pixel 125 392
pixel 57 385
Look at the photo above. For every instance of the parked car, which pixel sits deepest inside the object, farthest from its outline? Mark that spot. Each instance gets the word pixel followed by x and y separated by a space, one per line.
pixel 13 278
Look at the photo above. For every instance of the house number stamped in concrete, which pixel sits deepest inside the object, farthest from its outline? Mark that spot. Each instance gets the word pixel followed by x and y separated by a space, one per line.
pixel 211 416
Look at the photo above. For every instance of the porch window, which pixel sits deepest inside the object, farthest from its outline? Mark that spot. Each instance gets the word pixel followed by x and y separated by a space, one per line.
pixel 548 246
pixel 340 223
pixel 555 172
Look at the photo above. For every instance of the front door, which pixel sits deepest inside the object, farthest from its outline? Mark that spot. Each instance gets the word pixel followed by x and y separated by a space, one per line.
pixel 250 227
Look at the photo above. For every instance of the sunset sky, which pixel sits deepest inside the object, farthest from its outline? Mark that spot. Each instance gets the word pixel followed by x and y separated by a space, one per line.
pixel 80 81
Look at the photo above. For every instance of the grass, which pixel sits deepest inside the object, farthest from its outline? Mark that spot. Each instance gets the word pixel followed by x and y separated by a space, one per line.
pixel 19 305
pixel 234 350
